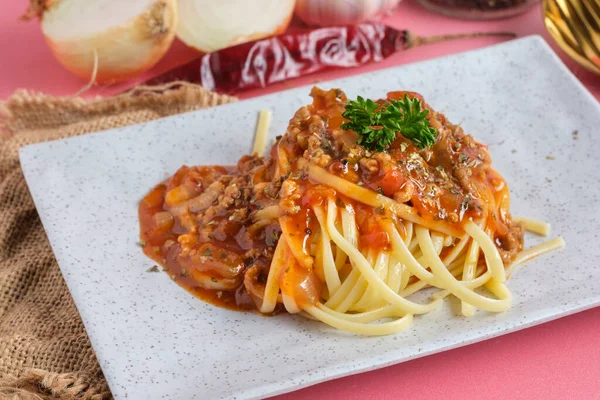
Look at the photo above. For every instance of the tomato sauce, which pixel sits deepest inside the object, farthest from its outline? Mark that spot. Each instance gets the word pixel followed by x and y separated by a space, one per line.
pixel 204 225
pixel 206 251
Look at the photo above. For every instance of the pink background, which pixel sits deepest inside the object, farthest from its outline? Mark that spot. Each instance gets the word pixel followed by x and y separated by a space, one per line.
pixel 556 360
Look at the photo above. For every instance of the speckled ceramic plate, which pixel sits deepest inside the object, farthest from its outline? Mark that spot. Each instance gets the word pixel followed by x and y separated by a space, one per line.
pixel 154 340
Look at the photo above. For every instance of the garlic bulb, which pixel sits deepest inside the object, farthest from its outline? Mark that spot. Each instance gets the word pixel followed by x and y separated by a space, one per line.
pixel 342 12
pixel 113 39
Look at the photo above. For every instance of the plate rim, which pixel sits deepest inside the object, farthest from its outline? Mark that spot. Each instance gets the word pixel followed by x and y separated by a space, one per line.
pixel 286 385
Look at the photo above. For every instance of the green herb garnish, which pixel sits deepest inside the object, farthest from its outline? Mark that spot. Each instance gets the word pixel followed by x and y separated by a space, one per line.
pixel 378 124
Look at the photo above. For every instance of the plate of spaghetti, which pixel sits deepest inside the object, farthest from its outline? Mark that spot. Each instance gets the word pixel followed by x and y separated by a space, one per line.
pixel 262 246
pixel 359 205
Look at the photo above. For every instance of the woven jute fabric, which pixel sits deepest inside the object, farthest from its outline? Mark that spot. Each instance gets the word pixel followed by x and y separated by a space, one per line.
pixel 45 352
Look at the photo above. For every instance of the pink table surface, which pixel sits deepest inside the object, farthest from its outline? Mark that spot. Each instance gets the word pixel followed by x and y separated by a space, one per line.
pixel 556 360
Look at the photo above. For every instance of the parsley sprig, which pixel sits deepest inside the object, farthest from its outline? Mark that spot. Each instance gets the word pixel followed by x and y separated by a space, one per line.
pixel 378 128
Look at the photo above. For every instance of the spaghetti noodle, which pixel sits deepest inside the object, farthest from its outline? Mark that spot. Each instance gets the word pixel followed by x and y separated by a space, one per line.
pixel 346 235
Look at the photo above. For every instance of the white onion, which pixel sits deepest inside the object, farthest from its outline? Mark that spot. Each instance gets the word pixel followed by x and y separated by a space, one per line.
pixel 210 25
pixel 342 12
pixel 120 38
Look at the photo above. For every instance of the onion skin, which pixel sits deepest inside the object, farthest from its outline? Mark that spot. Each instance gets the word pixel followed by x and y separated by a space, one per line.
pixel 123 51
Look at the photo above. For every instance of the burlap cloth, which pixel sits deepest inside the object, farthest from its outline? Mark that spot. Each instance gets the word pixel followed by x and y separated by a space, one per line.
pixel 44 350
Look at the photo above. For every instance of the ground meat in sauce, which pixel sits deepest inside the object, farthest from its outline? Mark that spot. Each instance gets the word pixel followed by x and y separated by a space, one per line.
pixel 511 243
pixel 451 181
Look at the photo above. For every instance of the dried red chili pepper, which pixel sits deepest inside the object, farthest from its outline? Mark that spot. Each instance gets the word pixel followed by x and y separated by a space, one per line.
pixel 263 62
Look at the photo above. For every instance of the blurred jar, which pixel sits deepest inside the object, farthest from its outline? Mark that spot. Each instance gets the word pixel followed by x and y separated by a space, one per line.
pixel 479 9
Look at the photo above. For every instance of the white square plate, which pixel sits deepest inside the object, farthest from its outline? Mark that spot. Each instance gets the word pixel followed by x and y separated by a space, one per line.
pixel 155 340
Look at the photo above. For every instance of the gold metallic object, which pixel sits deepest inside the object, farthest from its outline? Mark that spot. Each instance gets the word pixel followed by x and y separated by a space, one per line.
pixel 575 26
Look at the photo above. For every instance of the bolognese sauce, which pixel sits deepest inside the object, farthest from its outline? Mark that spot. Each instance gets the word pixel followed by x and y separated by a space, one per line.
pixel 214 229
